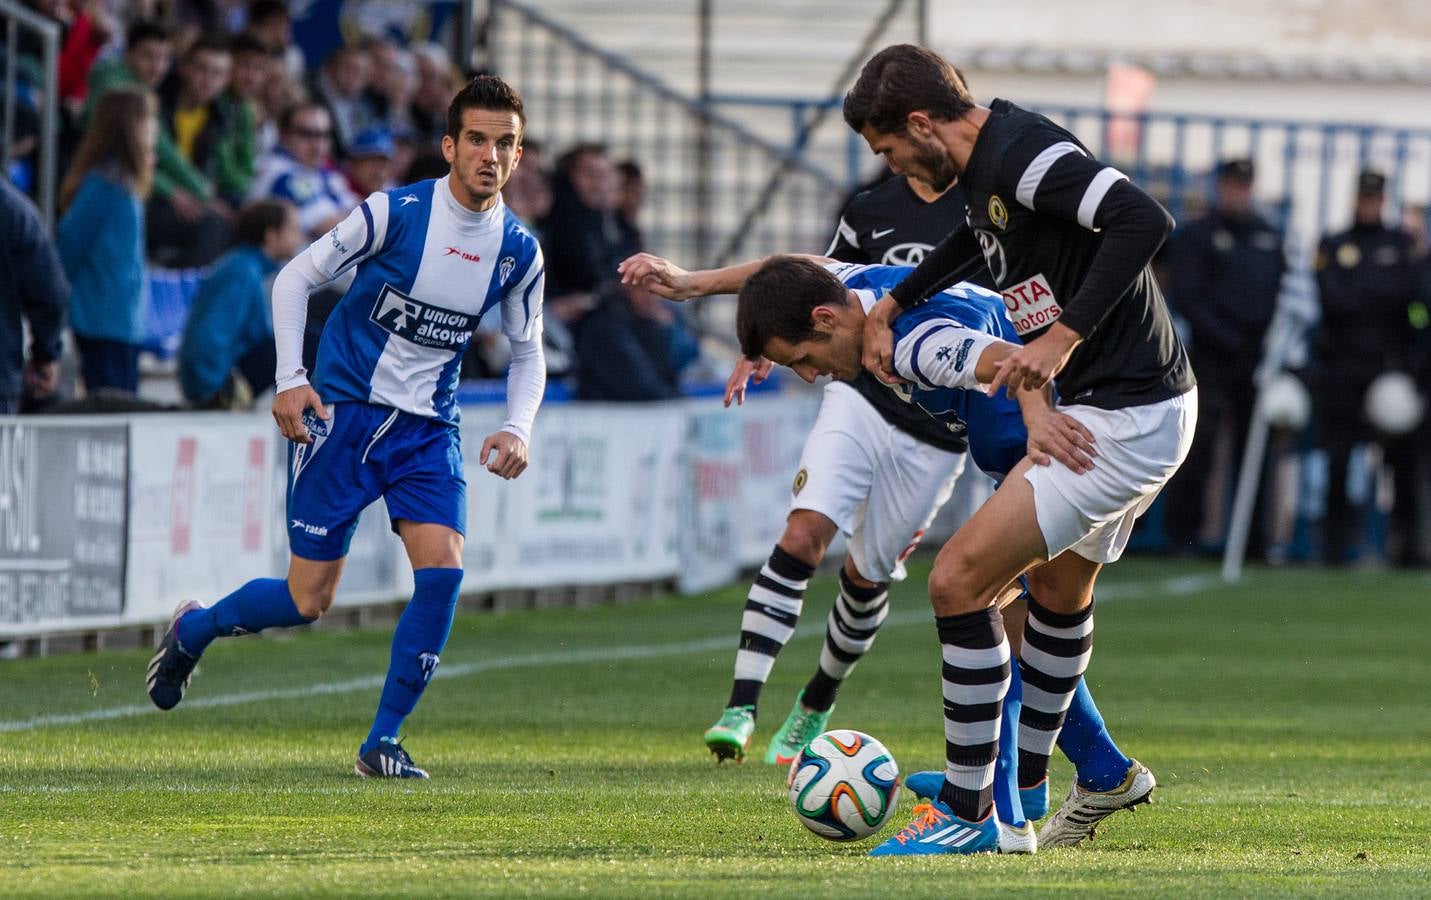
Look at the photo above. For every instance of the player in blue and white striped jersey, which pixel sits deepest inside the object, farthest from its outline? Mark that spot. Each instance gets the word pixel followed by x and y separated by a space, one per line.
pixel 379 417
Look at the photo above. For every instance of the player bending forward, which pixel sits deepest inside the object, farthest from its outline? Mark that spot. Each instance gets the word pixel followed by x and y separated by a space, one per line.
pixel 815 307
pixel 1068 240
pixel 380 416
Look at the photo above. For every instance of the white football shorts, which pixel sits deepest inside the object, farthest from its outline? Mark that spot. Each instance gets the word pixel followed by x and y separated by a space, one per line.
pixel 1139 449
pixel 879 485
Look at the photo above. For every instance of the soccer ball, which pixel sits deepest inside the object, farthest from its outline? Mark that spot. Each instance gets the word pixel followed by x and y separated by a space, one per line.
pixel 1393 404
pixel 843 785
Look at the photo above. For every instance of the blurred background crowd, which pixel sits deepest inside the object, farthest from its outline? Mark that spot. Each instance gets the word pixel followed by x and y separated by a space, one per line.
pixel 199 153
pixel 200 148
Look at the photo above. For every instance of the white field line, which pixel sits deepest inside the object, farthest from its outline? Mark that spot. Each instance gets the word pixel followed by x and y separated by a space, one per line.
pixel 1173 586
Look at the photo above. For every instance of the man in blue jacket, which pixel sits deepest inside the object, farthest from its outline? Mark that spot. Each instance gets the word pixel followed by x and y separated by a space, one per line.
pixel 227 356
pixel 32 285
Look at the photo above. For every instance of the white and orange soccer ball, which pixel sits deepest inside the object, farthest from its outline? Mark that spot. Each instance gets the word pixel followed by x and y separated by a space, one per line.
pixel 844 785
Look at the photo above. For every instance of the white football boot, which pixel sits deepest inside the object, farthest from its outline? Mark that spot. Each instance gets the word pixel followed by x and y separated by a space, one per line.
pixel 1017 840
pixel 1075 821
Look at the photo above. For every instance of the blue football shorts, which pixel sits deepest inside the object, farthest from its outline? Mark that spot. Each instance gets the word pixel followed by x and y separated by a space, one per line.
pixel 363 452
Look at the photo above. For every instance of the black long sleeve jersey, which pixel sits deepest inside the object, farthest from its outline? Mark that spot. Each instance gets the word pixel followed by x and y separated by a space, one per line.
pixel 1067 239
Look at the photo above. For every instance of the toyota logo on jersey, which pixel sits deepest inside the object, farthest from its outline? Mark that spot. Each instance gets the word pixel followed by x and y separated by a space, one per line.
pixel 911 254
pixel 424 325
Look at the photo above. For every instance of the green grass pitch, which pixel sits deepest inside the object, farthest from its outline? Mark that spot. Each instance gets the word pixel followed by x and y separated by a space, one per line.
pixel 1288 720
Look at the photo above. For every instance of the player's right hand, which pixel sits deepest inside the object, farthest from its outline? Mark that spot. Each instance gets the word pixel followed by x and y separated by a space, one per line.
pixel 744 371
pixel 1056 435
pixel 878 355
pixel 657 275
pixel 289 407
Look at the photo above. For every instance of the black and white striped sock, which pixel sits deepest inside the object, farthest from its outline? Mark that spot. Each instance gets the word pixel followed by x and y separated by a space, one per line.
pixel 771 610
pixel 849 633
pixel 976 678
pixel 1055 654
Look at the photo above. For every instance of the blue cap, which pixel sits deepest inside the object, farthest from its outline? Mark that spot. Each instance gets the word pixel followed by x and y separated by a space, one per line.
pixel 372 142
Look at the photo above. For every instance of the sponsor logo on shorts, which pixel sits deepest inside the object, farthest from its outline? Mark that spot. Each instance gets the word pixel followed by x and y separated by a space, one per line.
pixel 300 525
pixel 1031 305
pixel 421 323
pixel 801 477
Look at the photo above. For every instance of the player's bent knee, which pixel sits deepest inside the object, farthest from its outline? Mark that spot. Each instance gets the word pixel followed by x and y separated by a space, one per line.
pixel 953 589
pixel 807 536
pixel 312 605
pixel 853 575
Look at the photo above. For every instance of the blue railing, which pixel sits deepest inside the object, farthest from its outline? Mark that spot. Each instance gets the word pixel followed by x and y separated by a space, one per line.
pixel 1305 169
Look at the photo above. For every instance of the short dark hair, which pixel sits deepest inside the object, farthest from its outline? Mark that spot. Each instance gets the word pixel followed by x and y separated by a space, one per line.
pixel 285 118
pixel 258 218
pixel 903 79
pixel 484 92
pixel 209 43
pixel 776 302
pixel 262 10
pixel 245 44
pixel 144 30
pixel 630 170
pixel 566 163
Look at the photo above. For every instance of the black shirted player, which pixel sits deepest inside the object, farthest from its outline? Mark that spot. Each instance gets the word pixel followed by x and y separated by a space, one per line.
pixel 1068 241
pixel 895 223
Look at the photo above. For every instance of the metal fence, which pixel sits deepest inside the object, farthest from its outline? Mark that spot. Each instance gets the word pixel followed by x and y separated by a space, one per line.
pixel 38 92
pixel 577 92
pixel 1305 170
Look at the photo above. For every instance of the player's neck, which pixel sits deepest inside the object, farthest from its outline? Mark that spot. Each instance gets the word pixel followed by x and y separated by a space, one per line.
pixel 924 192
pixel 459 195
pixel 960 135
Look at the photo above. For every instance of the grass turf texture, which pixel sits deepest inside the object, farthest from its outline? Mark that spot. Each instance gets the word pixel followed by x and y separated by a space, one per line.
pixel 1286 720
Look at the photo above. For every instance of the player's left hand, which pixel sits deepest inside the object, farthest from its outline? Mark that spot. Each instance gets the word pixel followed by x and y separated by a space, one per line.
pixel 658 275
pixel 1033 365
pixel 511 454
pixel 878 355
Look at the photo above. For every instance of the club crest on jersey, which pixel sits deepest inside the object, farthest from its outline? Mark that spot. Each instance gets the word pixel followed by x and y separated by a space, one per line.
pixel 998 212
pixel 504 269
pixel 421 323
pixel 801 477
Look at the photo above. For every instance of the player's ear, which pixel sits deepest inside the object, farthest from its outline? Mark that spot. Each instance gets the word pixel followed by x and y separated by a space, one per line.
pixel 449 148
pixel 824 319
pixel 919 123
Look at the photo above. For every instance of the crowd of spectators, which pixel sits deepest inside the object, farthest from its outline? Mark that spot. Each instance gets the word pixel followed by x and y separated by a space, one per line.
pixel 201 140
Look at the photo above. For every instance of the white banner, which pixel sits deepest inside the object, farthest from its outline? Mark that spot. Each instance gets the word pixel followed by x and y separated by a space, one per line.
pixel 200 508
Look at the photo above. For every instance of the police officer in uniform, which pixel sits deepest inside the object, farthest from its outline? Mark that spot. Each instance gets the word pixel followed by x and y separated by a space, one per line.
pixel 1367 278
pixel 1225 272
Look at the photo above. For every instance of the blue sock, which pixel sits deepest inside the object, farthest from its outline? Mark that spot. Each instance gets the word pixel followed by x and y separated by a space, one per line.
pixel 1007 804
pixel 1085 741
pixel 262 603
pixel 418 640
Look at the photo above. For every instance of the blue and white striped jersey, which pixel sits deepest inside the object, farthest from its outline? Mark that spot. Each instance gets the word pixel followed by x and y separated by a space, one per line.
pixel 936 346
pixel 427 270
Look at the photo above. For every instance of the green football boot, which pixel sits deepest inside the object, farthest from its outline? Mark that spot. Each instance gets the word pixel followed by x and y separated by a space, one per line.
pixel 730 735
pixel 801 727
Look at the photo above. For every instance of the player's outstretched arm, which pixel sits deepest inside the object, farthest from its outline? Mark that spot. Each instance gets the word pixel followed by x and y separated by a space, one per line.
pixel 666 279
